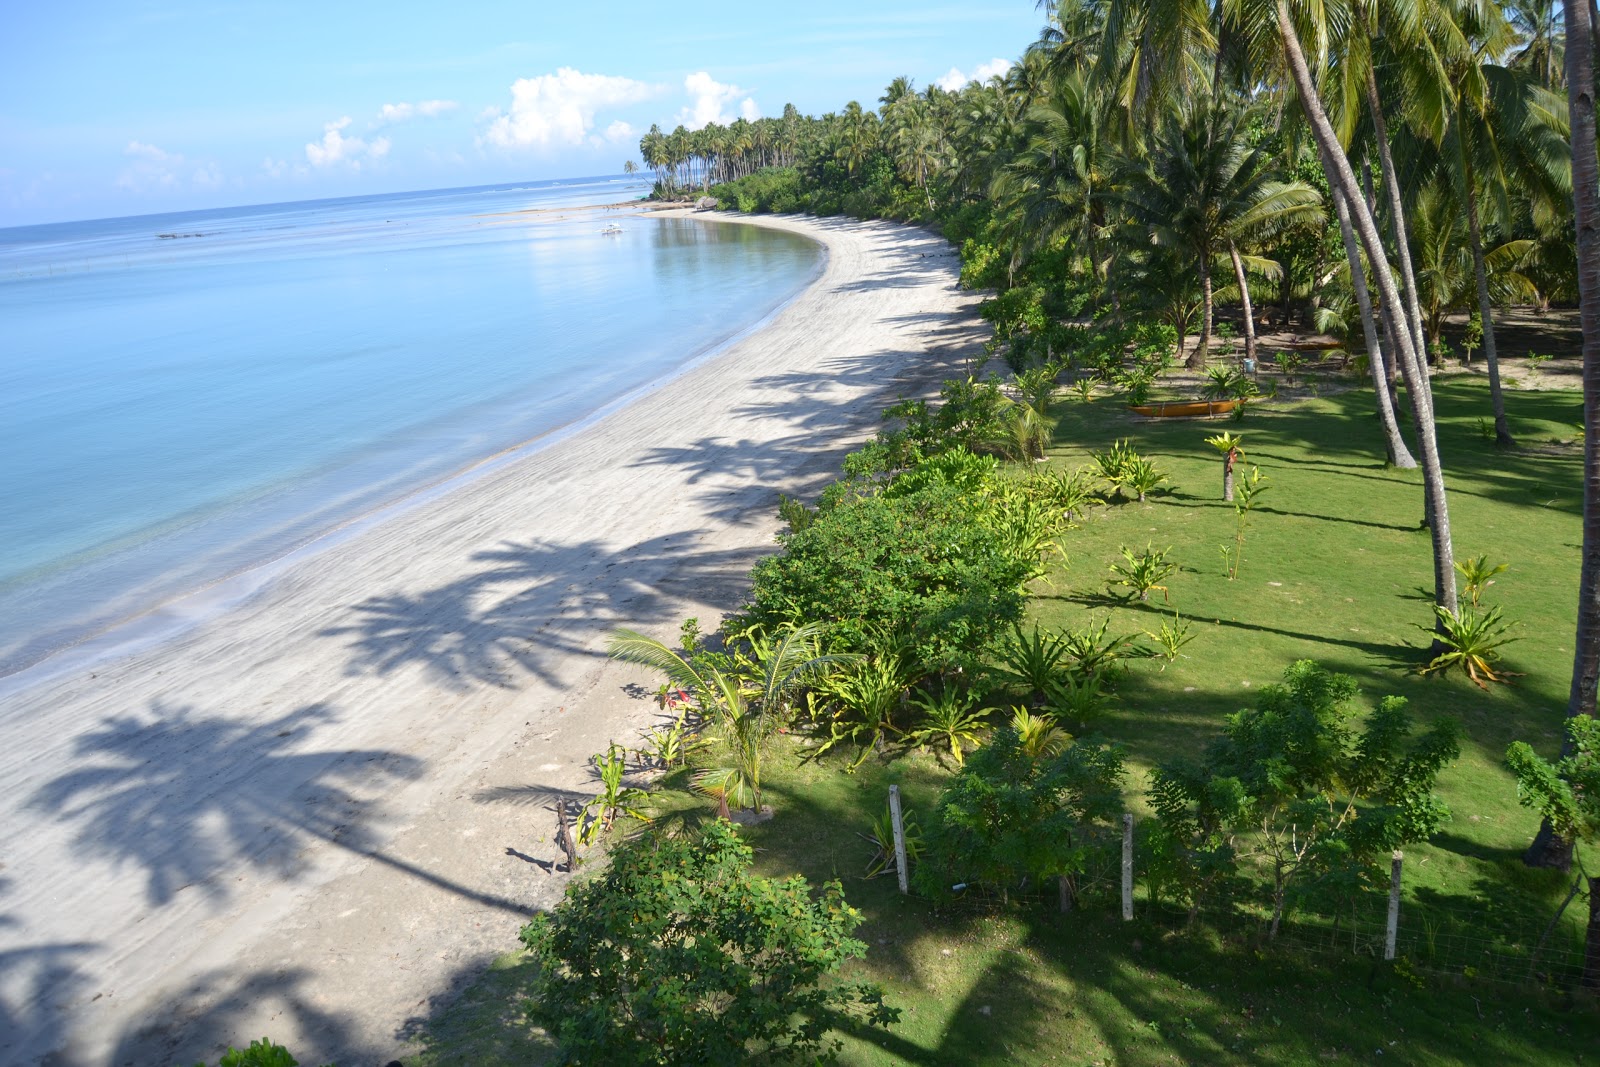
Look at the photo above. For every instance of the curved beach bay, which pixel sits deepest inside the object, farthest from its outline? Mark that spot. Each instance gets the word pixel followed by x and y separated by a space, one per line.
pixel 319 812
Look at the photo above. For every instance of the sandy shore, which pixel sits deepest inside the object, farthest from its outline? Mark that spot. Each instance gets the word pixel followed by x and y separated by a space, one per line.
pixel 320 813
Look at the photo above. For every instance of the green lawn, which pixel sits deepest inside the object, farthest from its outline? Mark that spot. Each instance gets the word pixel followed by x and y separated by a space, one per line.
pixel 1335 569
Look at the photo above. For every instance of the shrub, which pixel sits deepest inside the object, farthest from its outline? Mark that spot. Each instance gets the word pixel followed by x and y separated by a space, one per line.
pixel 677 954
pixel 925 565
pixel 1008 817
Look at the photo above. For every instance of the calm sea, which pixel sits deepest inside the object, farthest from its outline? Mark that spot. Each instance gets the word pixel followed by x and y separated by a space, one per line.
pixel 184 397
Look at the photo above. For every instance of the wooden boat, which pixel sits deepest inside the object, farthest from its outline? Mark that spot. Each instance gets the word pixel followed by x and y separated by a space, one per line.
pixel 1174 409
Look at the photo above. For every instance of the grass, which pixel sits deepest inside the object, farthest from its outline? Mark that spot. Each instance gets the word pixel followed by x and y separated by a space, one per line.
pixel 1336 569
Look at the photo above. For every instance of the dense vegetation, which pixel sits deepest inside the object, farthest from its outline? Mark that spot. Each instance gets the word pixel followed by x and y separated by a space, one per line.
pixel 1029 650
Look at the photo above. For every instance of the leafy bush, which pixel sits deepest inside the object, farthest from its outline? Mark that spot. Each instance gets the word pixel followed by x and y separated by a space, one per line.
pixel 1008 817
pixel 925 565
pixel 1471 641
pixel 677 954
pixel 263 1053
pixel 1291 786
pixel 775 189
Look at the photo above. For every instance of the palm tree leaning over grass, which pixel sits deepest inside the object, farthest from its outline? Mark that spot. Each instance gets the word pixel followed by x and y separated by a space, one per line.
pixel 745 706
pixel 1401 338
pixel 1548 849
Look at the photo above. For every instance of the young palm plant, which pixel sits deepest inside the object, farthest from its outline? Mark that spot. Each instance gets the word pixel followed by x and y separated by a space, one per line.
pixel 1040 734
pixel 1034 660
pixel 745 708
pixel 1143 571
pixel 1231 446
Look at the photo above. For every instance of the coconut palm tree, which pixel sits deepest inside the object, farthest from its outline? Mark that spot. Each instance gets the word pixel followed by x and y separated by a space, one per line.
pixel 1204 190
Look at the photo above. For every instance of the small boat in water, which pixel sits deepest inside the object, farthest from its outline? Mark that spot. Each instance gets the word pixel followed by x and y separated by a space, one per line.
pixel 612 229
pixel 1184 409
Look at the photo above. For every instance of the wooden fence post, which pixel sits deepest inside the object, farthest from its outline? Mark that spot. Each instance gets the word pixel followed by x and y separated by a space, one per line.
pixel 899 839
pixel 1392 929
pixel 1127 867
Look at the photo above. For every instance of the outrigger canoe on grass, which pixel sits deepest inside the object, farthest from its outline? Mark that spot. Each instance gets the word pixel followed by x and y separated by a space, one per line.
pixel 1184 408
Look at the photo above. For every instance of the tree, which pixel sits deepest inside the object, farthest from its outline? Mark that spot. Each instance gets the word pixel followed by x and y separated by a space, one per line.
pixel 744 706
pixel 1205 191
pixel 1567 794
pixel 1009 816
pixel 677 954
pixel 1292 786
pixel 1550 849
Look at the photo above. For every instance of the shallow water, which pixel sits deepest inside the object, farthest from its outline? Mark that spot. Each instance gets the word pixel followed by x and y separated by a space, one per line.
pixel 174 410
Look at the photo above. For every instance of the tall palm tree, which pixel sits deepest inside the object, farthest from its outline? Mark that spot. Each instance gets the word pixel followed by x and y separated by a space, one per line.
pixel 1402 339
pixel 1205 191
pixel 1547 849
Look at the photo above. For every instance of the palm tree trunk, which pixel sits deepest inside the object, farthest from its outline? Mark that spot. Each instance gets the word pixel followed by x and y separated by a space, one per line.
pixel 1391 186
pixel 1401 339
pixel 1244 299
pixel 1197 359
pixel 1497 397
pixel 1547 849
pixel 1394 444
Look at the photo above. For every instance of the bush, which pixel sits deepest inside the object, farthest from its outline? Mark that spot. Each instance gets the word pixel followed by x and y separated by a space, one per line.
pixel 676 954
pixel 924 566
pixel 775 189
pixel 1008 817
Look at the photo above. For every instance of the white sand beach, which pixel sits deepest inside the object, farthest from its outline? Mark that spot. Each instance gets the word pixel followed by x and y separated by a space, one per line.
pixel 318 812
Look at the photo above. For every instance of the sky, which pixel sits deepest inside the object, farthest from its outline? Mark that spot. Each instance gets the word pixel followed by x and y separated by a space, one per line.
pixel 123 107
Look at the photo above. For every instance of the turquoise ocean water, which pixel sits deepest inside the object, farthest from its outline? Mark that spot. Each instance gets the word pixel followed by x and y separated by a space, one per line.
pixel 178 409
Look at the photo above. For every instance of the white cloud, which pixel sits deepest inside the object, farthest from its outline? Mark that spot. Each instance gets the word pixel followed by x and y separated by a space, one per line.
pixel 708 97
pixel 153 169
pixel 561 107
pixel 619 131
pixel 956 81
pixel 335 147
pixel 404 112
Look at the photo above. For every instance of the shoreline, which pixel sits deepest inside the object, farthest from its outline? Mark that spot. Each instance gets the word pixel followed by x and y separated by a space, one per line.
pixel 149 625
pixel 319 814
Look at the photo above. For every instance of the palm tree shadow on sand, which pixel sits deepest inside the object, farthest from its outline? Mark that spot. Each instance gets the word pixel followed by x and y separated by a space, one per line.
pixel 190 797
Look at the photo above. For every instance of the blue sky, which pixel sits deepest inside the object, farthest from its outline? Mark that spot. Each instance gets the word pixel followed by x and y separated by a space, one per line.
pixel 126 108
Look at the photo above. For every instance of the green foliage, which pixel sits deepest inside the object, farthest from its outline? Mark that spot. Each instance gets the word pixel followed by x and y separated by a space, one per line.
pixel 925 564
pixel 794 513
pixel 1143 571
pixel 1141 477
pixel 982 265
pixel 1566 792
pixel 1247 494
pixel 1096 654
pixel 1293 787
pixel 1477 575
pixel 1032 660
pixel 1226 383
pixel 1008 817
pixel 1068 492
pixel 263 1053
pixel 676 954
pixel 772 189
pixel 863 698
pixel 1039 733
pixel 1472 642
pixel 950 717
pixel 1116 465
pixel 882 839
pixel 1289 363
pixel 1171 637
pixel 600 813
pixel 669 747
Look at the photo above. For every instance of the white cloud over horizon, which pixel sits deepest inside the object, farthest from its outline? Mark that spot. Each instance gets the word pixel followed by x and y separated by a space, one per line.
pixel 336 148
pixel 955 80
pixel 404 112
pixel 707 98
pixel 561 108
pixel 153 169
